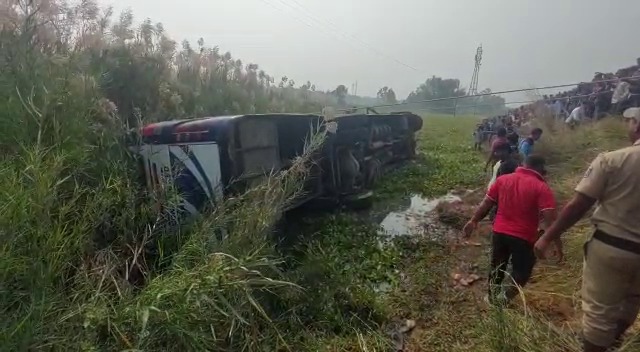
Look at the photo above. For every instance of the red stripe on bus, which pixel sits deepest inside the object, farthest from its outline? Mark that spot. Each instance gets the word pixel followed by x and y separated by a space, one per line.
pixel 148 130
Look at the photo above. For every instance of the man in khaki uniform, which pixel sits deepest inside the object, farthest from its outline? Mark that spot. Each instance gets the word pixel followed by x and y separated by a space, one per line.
pixel 611 271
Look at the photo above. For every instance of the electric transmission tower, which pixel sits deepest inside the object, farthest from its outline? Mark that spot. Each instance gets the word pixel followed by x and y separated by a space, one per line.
pixel 473 86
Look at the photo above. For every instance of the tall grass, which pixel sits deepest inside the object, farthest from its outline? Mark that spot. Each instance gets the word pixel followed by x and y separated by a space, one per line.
pixel 76 271
pixel 84 261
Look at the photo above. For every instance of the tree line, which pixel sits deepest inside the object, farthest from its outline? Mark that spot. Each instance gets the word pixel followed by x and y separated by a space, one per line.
pixel 143 73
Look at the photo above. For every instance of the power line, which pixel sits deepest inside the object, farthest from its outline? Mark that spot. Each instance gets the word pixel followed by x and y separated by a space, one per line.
pixel 336 33
pixel 493 93
pixel 509 103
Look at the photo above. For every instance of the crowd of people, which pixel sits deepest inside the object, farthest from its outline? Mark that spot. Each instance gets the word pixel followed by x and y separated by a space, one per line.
pixel 522 206
pixel 607 93
pixel 526 224
pixel 488 128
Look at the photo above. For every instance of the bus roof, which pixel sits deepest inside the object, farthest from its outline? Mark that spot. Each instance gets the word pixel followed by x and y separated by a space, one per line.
pixel 208 128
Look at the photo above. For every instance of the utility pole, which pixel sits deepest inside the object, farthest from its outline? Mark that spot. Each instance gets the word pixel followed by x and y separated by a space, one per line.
pixel 473 86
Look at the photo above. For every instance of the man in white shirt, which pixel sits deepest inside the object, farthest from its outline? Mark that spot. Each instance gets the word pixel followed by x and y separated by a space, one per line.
pixel 620 95
pixel 577 115
pixel 621 92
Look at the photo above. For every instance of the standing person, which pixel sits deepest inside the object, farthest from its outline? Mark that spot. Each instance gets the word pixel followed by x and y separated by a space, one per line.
pixel 521 197
pixel 601 102
pixel 501 138
pixel 492 124
pixel 478 136
pixel 506 164
pixel 558 108
pixel 620 96
pixel 510 128
pixel 526 145
pixel 513 140
pixel 611 270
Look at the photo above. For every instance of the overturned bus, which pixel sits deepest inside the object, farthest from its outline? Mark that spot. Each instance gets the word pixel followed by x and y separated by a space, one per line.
pixel 216 156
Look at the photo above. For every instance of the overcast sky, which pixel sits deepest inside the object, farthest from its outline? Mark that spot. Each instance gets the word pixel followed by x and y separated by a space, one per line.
pixel 526 42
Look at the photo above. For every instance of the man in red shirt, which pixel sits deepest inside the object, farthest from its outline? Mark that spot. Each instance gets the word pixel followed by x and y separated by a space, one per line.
pixel 522 197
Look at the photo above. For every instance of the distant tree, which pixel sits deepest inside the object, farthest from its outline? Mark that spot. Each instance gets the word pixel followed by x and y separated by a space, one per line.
pixel 283 81
pixel 487 104
pixel 341 94
pixel 437 88
pixel 387 95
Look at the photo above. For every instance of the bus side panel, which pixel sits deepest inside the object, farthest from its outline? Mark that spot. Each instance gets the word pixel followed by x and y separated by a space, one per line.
pixel 203 161
pixel 196 170
pixel 157 164
pixel 193 169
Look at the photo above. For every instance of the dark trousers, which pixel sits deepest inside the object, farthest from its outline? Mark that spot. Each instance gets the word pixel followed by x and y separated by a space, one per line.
pixel 507 248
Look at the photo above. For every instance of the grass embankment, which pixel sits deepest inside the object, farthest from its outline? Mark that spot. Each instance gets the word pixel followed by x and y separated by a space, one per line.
pixel 547 316
pixel 84 264
pixel 85 268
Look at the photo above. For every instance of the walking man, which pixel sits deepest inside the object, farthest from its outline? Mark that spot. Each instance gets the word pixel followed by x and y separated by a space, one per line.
pixel 526 145
pixel 521 197
pixel 611 269
pixel 478 137
pixel 501 139
pixel 506 164
pixel 513 140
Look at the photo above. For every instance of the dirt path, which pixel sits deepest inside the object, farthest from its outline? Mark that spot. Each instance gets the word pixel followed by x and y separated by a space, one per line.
pixel 445 285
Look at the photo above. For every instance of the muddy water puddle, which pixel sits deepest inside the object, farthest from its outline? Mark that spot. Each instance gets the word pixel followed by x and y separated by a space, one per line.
pixel 414 216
